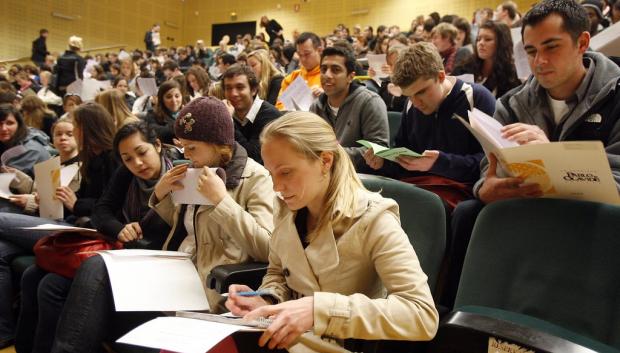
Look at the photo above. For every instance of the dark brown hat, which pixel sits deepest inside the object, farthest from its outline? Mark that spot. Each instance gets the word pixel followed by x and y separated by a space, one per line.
pixel 205 119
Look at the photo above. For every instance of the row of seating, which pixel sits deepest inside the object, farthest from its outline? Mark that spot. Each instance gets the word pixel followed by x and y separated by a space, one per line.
pixel 542 274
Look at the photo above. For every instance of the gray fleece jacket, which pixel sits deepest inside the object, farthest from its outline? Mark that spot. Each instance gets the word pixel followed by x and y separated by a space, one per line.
pixel 594 111
pixel 362 115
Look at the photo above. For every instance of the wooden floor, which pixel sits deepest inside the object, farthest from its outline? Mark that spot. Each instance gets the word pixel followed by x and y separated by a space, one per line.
pixel 8 350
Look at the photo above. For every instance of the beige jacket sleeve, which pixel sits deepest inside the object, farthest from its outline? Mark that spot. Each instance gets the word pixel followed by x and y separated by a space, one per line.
pixel 165 208
pixel 249 227
pixel 407 313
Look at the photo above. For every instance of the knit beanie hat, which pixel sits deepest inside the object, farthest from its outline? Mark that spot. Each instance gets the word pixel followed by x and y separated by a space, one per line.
pixel 596 5
pixel 205 119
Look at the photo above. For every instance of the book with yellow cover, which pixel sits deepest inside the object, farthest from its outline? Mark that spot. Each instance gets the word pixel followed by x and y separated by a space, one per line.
pixel 569 169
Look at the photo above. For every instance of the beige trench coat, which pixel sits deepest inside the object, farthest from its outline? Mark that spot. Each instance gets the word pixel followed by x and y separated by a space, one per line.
pixel 236 230
pixel 365 278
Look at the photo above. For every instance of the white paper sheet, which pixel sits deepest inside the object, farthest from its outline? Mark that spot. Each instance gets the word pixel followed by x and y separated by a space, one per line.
pixel 75 87
pixel 468 78
pixel 607 41
pixel 92 87
pixel 55 227
pixel 67 173
pixel 154 283
pixel 375 62
pixel 299 92
pixel 520 56
pixel 5 182
pixel 190 195
pixel 47 177
pixel 148 86
pixel 179 334
pixel 490 127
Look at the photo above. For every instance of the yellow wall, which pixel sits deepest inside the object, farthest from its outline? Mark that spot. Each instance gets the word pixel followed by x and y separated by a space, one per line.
pixel 108 22
pixel 321 16
pixel 99 22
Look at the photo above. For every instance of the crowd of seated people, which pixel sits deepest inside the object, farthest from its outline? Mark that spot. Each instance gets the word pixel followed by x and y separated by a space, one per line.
pixel 284 185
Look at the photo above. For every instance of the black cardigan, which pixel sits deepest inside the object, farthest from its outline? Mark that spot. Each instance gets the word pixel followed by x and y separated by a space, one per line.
pixel 94 183
pixel 248 136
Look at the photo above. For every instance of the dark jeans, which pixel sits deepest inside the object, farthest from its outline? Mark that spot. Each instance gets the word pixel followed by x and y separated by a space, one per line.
pixel 43 296
pixel 463 219
pixel 14 242
pixel 89 317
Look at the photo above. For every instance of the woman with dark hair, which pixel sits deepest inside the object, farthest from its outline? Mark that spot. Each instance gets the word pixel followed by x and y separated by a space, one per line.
pixel 20 147
pixel 492 63
pixel 198 82
pixel 464 47
pixel 94 132
pixel 120 83
pixel 162 118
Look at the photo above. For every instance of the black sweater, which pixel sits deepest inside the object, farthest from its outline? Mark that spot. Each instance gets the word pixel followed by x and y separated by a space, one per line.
pixel 248 135
pixel 94 183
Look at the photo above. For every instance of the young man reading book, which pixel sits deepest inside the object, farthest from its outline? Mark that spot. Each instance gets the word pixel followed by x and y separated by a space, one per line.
pixel 573 95
pixel 451 155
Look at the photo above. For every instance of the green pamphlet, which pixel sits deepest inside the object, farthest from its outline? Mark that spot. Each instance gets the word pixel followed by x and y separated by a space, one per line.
pixel 388 153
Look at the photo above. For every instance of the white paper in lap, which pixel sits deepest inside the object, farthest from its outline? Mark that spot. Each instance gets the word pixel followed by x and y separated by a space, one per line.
pixel 297 93
pixel 179 334
pixel 67 173
pixel 154 283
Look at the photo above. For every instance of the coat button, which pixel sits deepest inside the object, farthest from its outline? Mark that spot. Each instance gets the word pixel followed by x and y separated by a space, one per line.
pixel 286 272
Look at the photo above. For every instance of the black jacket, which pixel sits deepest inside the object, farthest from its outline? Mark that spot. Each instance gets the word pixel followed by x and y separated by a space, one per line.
pixel 248 135
pixel 164 130
pixel 67 66
pixel 94 183
pixel 39 50
pixel 274 89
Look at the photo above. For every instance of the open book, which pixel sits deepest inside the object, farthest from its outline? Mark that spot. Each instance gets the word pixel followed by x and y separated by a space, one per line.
pixel 569 170
pixel 388 153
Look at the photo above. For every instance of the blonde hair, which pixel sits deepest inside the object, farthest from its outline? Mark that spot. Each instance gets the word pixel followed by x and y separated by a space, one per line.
pixel 420 60
pixel 34 111
pixel 446 30
pixel 267 71
pixel 113 101
pixel 310 135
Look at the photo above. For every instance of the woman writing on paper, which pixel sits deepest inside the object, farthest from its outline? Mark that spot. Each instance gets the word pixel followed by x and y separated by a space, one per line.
pixel 340 264
pixel 235 229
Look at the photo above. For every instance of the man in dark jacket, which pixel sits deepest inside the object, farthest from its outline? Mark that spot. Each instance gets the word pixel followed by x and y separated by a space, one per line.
pixel 573 95
pixel 70 66
pixel 354 112
pixel 39 48
pixel 250 113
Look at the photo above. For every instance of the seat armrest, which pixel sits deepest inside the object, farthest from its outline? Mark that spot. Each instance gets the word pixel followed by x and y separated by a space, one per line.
pixel 251 274
pixel 466 332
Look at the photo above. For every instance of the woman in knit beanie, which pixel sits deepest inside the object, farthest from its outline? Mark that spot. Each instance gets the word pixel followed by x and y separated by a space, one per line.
pixel 237 227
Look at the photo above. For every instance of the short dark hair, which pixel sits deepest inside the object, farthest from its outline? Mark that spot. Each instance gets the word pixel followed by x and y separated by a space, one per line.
pixel 170 65
pixel 463 25
pixel 43 30
pixel 228 59
pixel 511 8
pixel 316 41
pixel 241 70
pixel 575 19
pixel 349 58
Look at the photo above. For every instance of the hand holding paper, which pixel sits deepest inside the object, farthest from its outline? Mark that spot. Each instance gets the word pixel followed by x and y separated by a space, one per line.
pixel 171 181
pixel 299 92
pixel 420 164
pixel 388 153
pixel 496 188
pixel 524 134
pixel 211 186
